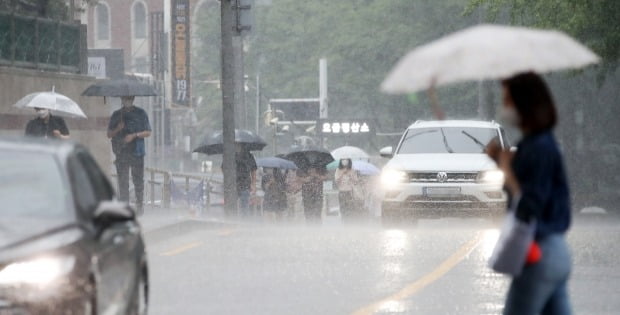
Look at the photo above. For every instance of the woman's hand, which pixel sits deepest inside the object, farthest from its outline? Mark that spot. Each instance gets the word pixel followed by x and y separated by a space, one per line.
pixel 505 158
pixel 493 150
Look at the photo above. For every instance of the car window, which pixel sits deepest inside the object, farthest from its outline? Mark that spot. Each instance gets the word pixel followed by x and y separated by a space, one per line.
pixel 447 140
pixel 84 192
pixel 102 188
pixel 31 184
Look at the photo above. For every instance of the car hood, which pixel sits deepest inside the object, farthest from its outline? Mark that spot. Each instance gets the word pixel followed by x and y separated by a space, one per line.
pixel 23 236
pixel 441 162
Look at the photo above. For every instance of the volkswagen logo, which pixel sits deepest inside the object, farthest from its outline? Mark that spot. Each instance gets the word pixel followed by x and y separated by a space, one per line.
pixel 442 177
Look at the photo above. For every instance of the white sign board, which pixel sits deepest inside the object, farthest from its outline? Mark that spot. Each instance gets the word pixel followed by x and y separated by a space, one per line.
pixel 96 67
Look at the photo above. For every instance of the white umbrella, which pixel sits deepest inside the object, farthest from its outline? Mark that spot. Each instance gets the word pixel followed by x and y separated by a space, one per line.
pixel 349 152
pixel 57 103
pixel 486 52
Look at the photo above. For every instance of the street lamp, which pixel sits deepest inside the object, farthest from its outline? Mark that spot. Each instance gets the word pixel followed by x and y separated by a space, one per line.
pixel 272 117
pixel 247 86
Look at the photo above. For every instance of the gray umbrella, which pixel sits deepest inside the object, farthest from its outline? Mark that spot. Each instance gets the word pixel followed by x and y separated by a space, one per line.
pixel 121 87
pixel 309 156
pixel 214 143
pixel 276 162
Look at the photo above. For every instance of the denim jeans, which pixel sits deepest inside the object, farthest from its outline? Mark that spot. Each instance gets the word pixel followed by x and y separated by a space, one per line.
pixel 542 288
pixel 244 202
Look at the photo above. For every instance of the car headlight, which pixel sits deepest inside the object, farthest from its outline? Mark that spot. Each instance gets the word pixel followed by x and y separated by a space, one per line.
pixel 492 176
pixel 40 271
pixel 390 177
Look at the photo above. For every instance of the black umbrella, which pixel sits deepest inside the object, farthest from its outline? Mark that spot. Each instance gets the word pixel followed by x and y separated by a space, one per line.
pixel 214 143
pixel 276 162
pixel 120 87
pixel 309 156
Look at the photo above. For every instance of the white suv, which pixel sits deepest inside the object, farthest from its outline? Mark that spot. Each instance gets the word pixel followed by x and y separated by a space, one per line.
pixel 439 169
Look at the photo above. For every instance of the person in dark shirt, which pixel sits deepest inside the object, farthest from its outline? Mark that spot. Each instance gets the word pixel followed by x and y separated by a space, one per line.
pixel 538 189
pixel 312 180
pixel 127 129
pixel 47 126
pixel 273 184
pixel 246 177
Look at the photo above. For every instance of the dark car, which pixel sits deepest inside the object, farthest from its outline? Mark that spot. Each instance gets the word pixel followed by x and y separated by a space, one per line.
pixel 66 245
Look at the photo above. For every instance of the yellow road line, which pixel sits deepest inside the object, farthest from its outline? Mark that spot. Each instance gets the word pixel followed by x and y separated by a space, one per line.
pixel 181 249
pixel 225 232
pixel 427 279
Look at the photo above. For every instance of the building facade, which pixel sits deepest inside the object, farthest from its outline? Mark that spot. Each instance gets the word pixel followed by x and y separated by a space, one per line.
pixel 124 24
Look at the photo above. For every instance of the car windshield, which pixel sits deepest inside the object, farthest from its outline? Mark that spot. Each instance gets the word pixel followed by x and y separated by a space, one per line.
pixel 447 140
pixel 31 185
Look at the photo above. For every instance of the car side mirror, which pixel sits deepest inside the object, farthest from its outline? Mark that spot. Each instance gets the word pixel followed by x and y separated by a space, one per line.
pixel 114 211
pixel 386 152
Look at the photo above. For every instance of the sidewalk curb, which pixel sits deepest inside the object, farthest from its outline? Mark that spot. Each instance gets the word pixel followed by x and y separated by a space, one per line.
pixel 184 225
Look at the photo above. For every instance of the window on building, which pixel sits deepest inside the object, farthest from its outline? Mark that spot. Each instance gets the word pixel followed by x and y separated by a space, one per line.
pixel 139 20
pixel 141 65
pixel 103 21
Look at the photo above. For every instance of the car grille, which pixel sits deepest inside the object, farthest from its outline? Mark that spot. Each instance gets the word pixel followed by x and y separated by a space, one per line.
pixel 452 177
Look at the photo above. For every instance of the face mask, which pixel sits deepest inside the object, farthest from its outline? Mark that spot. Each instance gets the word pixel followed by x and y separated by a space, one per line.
pixel 509 116
pixel 127 102
pixel 345 162
pixel 42 113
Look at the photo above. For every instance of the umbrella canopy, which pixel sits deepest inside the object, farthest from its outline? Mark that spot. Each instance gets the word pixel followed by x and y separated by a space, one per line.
pixel 309 156
pixel 57 103
pixel 276 162
pixel 214 143
pixel 349 152
pixel 486 52
pixel 120 87
pixel 363 167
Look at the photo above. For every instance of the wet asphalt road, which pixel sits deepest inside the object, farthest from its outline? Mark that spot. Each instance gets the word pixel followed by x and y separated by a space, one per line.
pixel 438 267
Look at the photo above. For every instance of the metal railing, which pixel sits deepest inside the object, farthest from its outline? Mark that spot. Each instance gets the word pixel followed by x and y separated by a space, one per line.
pixel 42 44
pixel 158 179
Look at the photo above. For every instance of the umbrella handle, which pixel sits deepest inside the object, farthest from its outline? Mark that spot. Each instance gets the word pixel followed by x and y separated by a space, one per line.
pixel 435 107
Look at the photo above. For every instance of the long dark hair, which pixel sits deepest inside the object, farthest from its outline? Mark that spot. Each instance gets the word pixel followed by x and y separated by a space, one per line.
pixel 341 166
pixel 533 101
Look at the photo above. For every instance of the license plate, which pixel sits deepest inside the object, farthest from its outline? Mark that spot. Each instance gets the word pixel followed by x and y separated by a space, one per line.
pixel 442 191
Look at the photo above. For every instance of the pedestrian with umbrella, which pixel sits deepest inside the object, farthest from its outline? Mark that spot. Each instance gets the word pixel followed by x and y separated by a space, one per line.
pixel 127 129
pixel 47 126
pixel 535 178
pixel 346 181
pixel 312 173
pixel 537 184
pixel 47 106
pixel 245 164
pixel 275 185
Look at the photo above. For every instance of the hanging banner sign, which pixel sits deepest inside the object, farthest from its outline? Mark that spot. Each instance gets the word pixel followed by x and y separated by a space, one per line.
pixel 180 53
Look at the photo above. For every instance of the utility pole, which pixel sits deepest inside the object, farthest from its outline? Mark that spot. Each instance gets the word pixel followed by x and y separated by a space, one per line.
pixel 234 15
pixel 240 108
pixel 323 102
pixel 228 110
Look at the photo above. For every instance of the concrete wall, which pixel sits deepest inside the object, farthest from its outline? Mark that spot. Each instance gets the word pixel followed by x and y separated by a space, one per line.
pixel 91 132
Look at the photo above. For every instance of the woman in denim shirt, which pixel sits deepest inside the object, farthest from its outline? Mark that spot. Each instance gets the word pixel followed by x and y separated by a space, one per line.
pixel 537 184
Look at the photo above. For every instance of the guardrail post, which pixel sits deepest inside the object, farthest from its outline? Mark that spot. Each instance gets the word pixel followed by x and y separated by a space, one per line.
pixel 166 190
pixel 152 187
pixel 207 195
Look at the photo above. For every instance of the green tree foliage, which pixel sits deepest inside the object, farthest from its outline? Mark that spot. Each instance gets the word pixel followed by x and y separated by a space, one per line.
pixel 595 23
pixel 361 39
pixel 206 41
